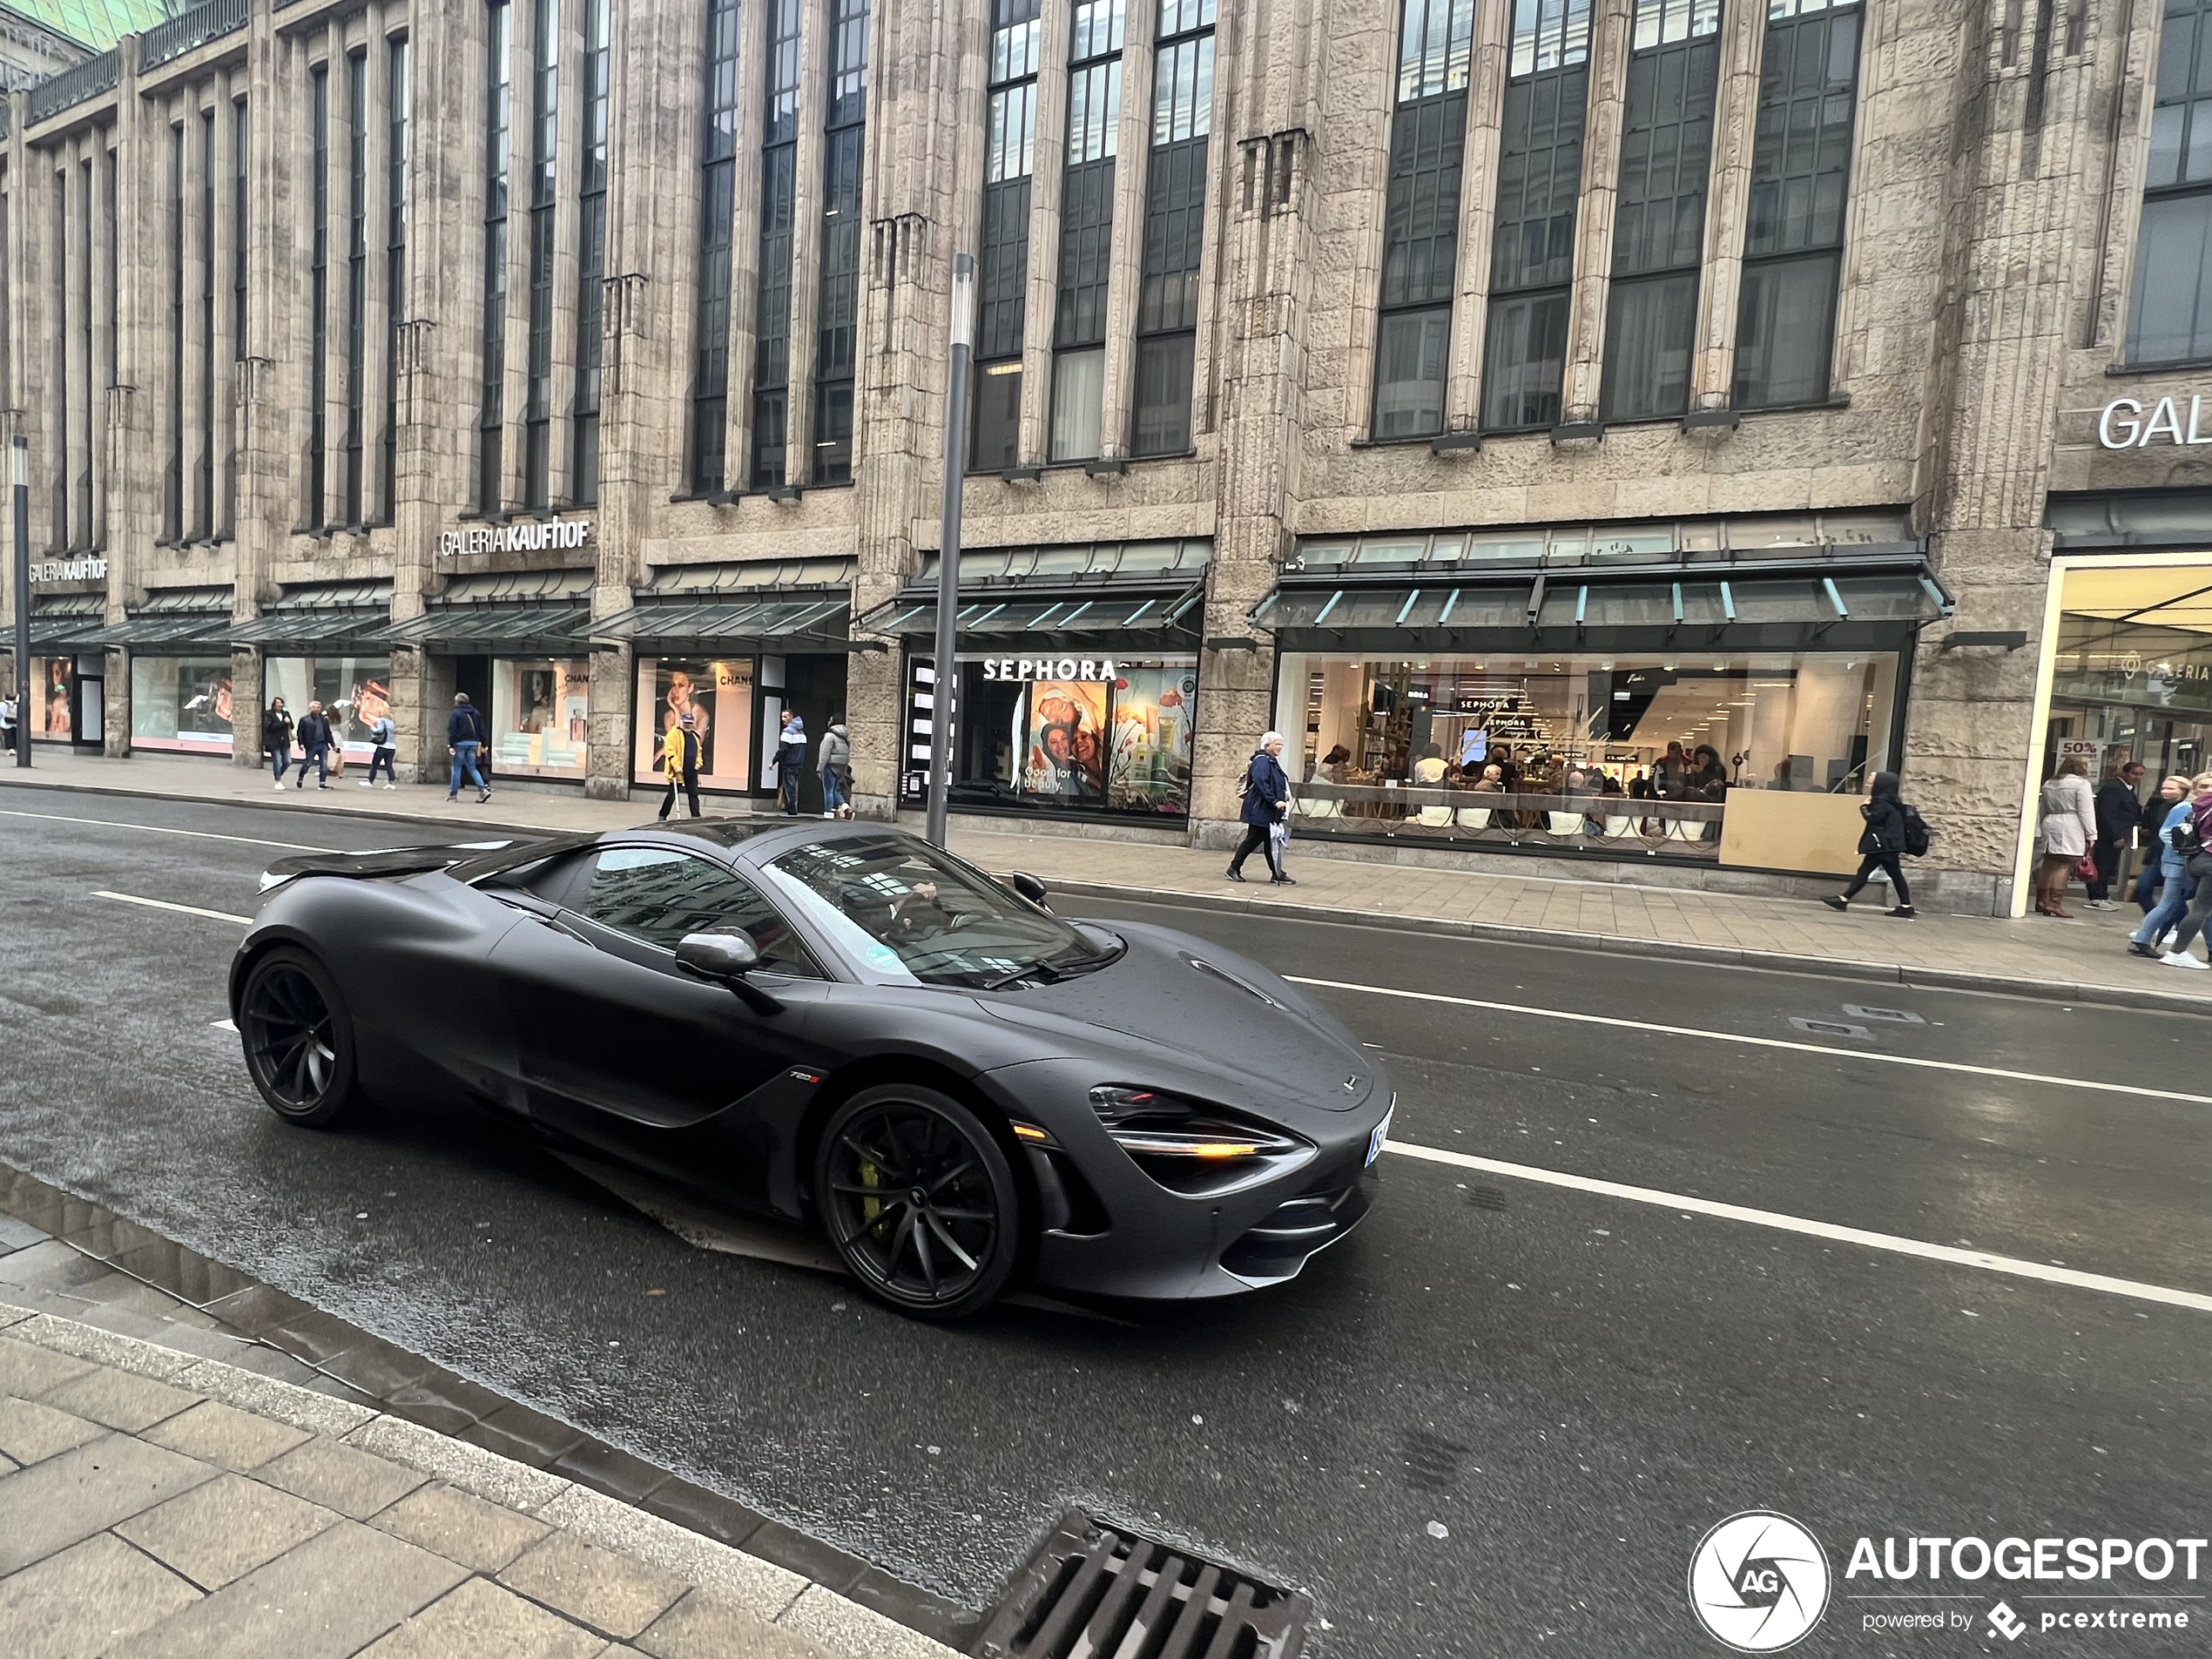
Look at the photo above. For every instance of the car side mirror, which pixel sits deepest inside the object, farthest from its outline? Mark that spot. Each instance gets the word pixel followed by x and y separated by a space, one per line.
pixel 1030 887
pixel 725 959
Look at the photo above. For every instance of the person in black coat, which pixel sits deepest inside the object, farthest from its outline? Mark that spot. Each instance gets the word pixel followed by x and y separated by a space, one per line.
pixel 2120 812
pixel 1881 846
pixel 315 738
pixel 276 737
pixel 1267 803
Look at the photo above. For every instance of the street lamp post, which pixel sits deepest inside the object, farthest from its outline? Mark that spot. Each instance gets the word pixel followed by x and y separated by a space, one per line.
pixel 941 699
pixel 19 453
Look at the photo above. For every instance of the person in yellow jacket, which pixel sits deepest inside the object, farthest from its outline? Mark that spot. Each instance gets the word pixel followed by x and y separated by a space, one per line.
pixel 679 759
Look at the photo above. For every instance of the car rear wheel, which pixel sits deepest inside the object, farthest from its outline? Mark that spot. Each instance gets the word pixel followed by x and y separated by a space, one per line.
pixel 299 1040
pixel 919 1201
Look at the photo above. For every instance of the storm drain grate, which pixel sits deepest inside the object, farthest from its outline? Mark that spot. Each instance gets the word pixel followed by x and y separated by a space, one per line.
pixel 1096 1591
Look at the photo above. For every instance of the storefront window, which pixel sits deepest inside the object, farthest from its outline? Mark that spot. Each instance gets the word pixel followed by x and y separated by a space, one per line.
pixel 719 697
pixel 181 703
pixel 1622 753
pixel 2131 672
pixel 354 692
pixel 54 676
pixel 1063 734
pixel 540 711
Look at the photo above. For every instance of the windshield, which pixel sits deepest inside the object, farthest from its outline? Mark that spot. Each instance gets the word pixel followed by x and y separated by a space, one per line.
pixel 911 912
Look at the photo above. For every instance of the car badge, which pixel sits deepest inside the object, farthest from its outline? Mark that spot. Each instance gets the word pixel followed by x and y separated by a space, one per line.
pixel 1352 1082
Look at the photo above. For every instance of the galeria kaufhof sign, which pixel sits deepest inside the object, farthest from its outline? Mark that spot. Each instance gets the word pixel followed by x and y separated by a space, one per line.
pixel 2127 424
pixel 526 536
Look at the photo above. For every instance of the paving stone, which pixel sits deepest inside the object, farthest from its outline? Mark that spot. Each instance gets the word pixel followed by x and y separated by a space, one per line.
pixel 527 1436
pixel 847 1627
pixel 225 1529
pixel 484 1621
pixel 256 1308
pixel 736 1576
pixel 442 1401
pixel 120 1400
pixel 19 1235
pixel 134 1354
pixel 274 1397
pixel 314 1336
pixel 498 1479
pixel 215 1433
pixel 30 1432
pixel 182 1272
pixel 52 1266
pixel 723 1520
pixel 327 1598
pixel 27 1372
pixel 51 1504
pixel 706 1627
pixel 79 1603
pixel 616 1595
pixel 377 1367
pixel 608 1469
pixel 461 1527
pixel 340 1477
pixel 808 1556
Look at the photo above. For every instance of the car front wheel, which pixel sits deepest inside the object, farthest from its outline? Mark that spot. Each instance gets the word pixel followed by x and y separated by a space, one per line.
pixel 299 1041
pixel 919 1201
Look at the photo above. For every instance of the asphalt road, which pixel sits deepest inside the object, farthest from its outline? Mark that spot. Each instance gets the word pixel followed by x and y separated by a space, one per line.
pixel 1496 1421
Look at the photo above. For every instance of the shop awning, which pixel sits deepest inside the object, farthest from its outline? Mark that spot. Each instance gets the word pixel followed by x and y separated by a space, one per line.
pixel 331 615
pixel 60 620
pixel 770 604
pixel 1116 617
pixel 172 617
pixel 520 610
pixel 1798 604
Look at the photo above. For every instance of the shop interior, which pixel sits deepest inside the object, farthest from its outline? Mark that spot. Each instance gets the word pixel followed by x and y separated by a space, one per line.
pixel 2131 671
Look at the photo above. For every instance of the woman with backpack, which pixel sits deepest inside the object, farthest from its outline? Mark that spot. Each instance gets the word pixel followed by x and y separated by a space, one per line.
pixel 2177 800
pixel 1893 832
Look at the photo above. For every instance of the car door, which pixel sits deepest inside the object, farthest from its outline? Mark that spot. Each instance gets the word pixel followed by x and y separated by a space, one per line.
pixel 617 1043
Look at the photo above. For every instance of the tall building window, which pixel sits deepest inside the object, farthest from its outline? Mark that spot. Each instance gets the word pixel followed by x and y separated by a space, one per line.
pixel 1539 182
pixel 591 255
pixel 837 341
pixel 1421 216
pixel 2171 319
pixel 356 273
pixel 57 245
pixel 88 532
pixel 537 408
pixel 394 275
pixel 240 173
pixel 317 512
pixel 492 412
pixel 1793 249
pixel 112 291
pixel 204 496
pixel 778 170
pixel 1659 214
pixel 1174 228
pixel 1003 263
pixel 718 185
pixel 1086 227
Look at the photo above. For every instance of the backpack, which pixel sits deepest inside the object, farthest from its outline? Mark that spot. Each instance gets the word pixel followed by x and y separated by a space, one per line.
pixel 380 732
pixel 1916 833
pixel 2185 840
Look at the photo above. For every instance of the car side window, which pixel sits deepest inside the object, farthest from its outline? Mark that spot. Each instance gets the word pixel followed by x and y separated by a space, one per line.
pixel 658 895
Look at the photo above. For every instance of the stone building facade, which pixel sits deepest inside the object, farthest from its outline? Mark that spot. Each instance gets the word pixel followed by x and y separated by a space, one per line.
pixel 1534 384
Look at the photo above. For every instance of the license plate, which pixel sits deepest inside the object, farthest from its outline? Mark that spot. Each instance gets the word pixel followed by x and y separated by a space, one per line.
pixel 1381 1134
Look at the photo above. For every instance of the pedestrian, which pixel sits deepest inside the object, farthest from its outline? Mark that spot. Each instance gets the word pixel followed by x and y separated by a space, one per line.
pixel 383 737
pixel 315 737
pixel 1893 832
pixel 679 759
pixel 2193 839
pixel 790 762
pixel 2175 802
pixel 1266 811
pixel 2120 809
pixel 2171 793
pixel 276 737
pixel 836 760
pixel 8 722
pixel 2067 825
pixel 465 735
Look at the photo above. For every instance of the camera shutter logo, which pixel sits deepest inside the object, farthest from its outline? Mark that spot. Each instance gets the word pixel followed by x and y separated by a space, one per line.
pixel 1758 1582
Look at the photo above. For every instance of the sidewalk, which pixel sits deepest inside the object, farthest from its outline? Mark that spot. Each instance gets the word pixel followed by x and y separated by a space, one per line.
pixel 2083 960
pixel 158 1505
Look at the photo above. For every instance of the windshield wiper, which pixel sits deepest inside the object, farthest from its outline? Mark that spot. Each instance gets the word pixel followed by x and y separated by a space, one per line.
pixel 1044 971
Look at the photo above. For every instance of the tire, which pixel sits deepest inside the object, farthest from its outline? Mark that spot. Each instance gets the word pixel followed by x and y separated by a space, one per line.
pixel 299 1039
pixel 943 1240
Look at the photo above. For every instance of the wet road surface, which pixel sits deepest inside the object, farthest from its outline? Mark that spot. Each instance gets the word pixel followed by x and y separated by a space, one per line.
pixel 1570 1386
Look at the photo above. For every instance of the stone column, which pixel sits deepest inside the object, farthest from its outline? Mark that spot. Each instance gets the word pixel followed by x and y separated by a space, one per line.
pixel 1132 179
pixel 1728 206
pixel 806 241
pixel 1609 46
pixel 1478 217
pixel 1046 182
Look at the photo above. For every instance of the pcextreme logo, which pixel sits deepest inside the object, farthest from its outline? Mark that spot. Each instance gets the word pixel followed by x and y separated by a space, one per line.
pixel 1758 1582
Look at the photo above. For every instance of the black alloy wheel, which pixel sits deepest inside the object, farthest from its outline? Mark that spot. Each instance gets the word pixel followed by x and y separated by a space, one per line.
pixel 919 1201
pixel 299 1042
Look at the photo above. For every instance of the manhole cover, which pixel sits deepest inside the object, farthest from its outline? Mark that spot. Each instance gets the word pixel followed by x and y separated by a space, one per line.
pixel 1899 1016
pixel 1831 1028
pixel 1487 1198
pixel 1091 1590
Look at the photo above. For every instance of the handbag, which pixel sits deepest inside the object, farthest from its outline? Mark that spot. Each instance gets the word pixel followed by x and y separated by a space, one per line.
pixel 2087 869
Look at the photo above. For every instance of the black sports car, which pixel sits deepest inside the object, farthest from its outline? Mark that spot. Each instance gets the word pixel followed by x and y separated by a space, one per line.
pixel 840 1022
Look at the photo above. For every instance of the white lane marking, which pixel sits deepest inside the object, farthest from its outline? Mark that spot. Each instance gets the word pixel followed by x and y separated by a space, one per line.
pixel 163 829
pixel 2094 1083
pixel 1860 1236
pixel 230 1026
pixel 164 904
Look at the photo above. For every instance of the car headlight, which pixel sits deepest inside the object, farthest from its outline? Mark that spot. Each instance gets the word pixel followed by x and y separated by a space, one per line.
pixel 1186 1145
pixel 270 881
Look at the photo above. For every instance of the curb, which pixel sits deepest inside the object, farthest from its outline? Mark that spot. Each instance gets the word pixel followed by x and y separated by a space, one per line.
pixel 775 1595
pixel 1710 955
pixel 1497 932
